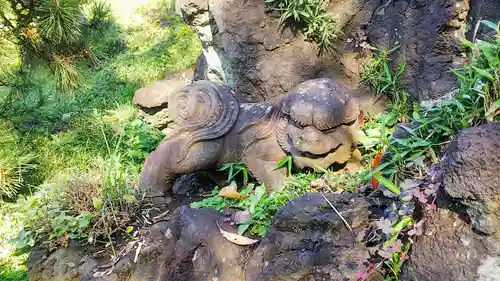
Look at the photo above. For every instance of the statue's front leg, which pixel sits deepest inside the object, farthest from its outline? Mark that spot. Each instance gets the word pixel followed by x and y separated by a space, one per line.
pixel 164 164
pixel 262 158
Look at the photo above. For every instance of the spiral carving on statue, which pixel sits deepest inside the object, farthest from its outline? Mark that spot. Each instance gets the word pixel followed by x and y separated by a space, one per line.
pixel 204 110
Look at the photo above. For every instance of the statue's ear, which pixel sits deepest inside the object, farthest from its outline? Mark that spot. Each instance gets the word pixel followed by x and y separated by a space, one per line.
pixel 352 111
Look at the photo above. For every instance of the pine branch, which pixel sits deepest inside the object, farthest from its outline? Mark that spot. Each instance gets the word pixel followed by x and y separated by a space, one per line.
pixel 6 21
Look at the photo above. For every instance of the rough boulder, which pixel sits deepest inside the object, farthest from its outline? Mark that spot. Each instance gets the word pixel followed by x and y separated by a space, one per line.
pixel 461 239
pixel 306 241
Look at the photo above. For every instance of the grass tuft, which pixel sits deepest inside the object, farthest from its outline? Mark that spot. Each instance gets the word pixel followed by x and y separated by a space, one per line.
pixel 310 17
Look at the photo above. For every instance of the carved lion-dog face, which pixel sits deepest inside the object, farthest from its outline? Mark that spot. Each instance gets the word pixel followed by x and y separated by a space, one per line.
pixel 315 127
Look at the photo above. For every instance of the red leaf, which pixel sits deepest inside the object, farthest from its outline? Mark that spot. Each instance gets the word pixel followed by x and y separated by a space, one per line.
pixel 361 118
pixel 375 163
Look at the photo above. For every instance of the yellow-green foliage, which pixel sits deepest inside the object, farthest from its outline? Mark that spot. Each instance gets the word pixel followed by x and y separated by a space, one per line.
pixel 15 161
pixel 87 142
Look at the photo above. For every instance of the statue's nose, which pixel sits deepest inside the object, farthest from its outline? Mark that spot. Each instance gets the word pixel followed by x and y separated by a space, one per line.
pixel 310 135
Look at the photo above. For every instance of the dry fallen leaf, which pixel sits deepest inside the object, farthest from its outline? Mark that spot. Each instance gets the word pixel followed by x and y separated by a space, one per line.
pixel 231 192
pixel 235 238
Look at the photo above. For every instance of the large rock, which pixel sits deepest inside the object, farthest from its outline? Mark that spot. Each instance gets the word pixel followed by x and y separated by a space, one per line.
pixel 461 240
pixel 189 247
pixel 428 33
pixel 309 241
pixel 71 263
pixel 450 250
pixel 156 94
pixel 306 241
pixel 471 175
pixel 243 48
pixel 186 246
pixel 153 98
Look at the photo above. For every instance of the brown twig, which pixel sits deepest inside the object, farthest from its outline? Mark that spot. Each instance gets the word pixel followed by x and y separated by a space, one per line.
pixel 341 217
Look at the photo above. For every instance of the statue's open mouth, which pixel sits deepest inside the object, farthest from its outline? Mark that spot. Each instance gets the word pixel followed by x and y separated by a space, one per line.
pixel 317 156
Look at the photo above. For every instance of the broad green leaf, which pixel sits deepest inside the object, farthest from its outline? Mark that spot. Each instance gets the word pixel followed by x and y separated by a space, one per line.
pixel 484 73
pixel 489 24
pixel 84 220
pixel 387 72
pixel 398 226
pixel 420 143
pixel 402 67
pixel 408 129
pixel 388 184
pixel 488 50
pixel 468 43
pixel 418 154
pixel 255 198
pixel 247 189
pixel 242 228
pixel 378 169
pixel 225 167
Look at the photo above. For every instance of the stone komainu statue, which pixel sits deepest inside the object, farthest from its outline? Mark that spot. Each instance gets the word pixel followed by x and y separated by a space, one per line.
pixel 313 124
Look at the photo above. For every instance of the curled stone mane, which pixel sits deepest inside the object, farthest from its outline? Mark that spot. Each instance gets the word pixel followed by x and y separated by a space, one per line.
pixel 265 124
pixel 204 110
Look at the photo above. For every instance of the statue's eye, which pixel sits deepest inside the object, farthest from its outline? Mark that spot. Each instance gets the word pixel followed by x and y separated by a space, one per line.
pixel 327 131
pixel 351 123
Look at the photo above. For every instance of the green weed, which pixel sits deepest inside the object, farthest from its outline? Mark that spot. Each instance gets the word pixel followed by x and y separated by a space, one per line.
pixel 286 162
pixel 13 275
pixel 382 80
pixel 309 16
pixel 479 77
pixel 87 206
pixel 261 204
pixel 426 131
pixel 233 169
pixel 16 162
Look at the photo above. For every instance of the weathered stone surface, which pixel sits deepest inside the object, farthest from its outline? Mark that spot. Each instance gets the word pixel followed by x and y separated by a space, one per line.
pixel 461 240
pixel 450 250
pixel 428 33
pixel 309 241
pixel 156 94
pixel 471 175
pixel 190 247
pixel 314 124
pixel 186 246
pixel 71 263
pixel 243 48
pixel 306 241
pixel 153 98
